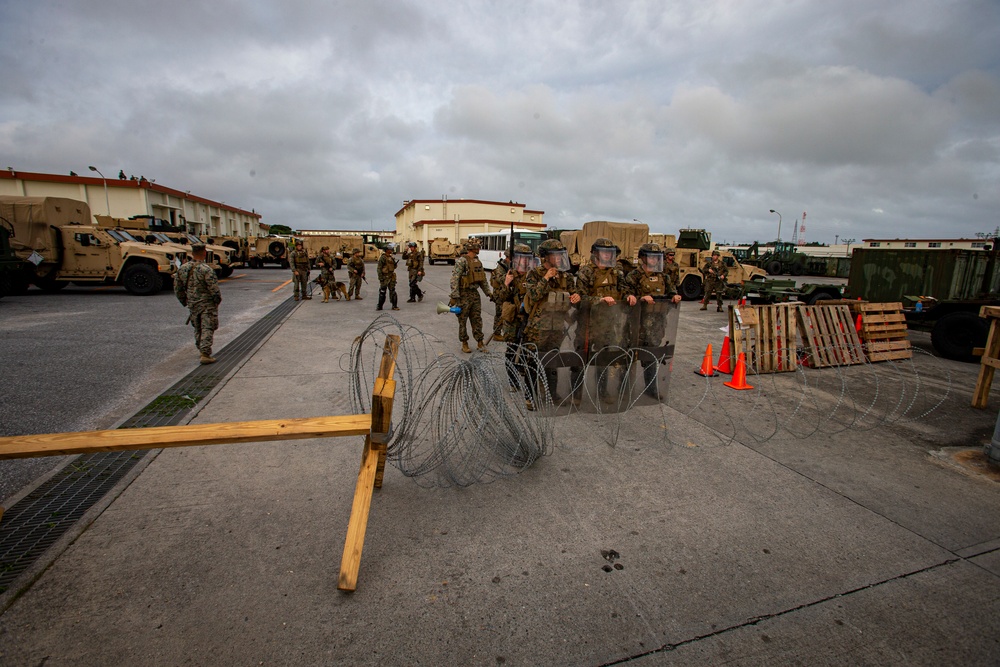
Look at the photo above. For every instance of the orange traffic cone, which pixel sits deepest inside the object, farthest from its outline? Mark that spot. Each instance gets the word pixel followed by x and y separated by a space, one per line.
pixel 857 323
pixel 706 369
pixel 740 375
pixel 725 365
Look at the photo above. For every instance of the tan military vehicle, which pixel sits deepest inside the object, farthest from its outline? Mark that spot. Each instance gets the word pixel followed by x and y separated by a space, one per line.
pixel 270 250
pixel 241 247
pixel 442 250
pixel 694 246
pixel 628 236
pixel 219 257
pixel 56 240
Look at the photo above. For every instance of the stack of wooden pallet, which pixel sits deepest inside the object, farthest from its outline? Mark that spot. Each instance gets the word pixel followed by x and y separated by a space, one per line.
pixel 767 335
pixel 883 331
pixel 828 336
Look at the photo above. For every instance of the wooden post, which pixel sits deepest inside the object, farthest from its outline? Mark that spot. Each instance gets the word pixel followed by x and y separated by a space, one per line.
pixel 990 360
pixel 372 466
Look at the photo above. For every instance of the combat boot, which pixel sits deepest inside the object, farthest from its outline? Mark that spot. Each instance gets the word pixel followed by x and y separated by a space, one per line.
pixel 480 346
pixel 465 347
pixel 348 297
pixel 358 298
pixel 420 297
pixel 411 300
pixel 719 309
pixel 207 358
pixel 704 306
pixel 296 298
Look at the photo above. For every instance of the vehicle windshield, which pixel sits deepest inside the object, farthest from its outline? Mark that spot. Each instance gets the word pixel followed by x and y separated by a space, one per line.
pixel 121 235
pixel 161 237
pixel 192 238
pixel 530 239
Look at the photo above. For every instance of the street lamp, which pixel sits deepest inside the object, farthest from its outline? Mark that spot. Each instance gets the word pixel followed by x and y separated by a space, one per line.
pixel 107 202
pixel 779 223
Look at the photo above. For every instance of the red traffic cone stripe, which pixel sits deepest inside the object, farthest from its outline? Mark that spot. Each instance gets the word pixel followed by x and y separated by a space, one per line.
pixel 740 374
pixel 706 369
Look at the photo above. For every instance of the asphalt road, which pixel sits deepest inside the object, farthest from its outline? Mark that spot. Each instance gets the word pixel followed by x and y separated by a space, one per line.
pixel 88 358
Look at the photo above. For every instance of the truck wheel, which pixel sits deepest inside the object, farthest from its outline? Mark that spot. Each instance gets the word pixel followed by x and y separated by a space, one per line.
pixel 339 263
pixel 431 262
pixel 142 280
pixel 773 268
pixel 276 248
pixel 49 285
pixel 818 297
pixel 798 268
pixel 956 334
pixel 690 288
pixel 225 271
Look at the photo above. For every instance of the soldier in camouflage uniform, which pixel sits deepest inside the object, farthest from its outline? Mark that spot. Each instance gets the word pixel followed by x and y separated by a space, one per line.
pixel 467 278
pixel 299 261
pixel 715 273
pixel 196 287
pixel 326 265
pixel 415 268
pixel 649 282
pixel 356 273
pixel 510 291
pixel 386 270
pixel 600 282
pixel 551 280
pixel 672 270
pixel 497 278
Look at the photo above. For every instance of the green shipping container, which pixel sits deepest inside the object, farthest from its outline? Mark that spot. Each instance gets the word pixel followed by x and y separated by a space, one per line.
pixel 888 275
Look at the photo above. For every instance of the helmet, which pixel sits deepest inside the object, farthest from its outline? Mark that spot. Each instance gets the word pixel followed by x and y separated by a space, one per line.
pixel 670 251
pixel 604 253
pixel 716 252
pixel 356 251
pixel 524 259
pixel 552 245
pixel 648 248
pixel 412 244
pixel 523 249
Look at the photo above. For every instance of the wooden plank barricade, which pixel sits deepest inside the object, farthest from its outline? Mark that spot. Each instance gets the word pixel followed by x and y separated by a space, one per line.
pixel 828 336
pixel 990 360
pixel 375 428
pixel 766 334
pixel 883 331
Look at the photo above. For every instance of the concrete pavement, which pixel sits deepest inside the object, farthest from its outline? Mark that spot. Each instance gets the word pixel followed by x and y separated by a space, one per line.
pixel 851 546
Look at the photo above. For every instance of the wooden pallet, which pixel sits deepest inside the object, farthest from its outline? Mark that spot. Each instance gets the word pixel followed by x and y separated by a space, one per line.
pixel 991 357
pixel 766 334
pixel 828 336
pixel 883 331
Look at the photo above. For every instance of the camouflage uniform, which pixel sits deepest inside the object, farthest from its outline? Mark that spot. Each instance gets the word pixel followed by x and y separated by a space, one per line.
pixel 327 264
pixel 386 270
pixel 652 322
pixel 715 272
pixel 672 270
pixel 197 287
pixel 356 273
pixel 299 261
pixel 548 314
pixel 600 328
pixel 511 331
pixel 415 270
pixel 497 277
pixel 466 279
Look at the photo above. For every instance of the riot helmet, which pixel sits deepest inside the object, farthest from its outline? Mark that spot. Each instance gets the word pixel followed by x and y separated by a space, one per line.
pixel 553 255
pixel 604 253
pixel 524 259
pixel 651 257
pixel 412 244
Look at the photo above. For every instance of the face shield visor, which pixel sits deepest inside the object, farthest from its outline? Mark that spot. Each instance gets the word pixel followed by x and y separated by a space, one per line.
pixel 523 262
pixel 605 257
pixel 652 262
pixel 557 259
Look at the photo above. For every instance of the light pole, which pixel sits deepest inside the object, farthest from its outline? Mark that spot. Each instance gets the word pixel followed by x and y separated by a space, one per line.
pixel 107 202
pixel 779 223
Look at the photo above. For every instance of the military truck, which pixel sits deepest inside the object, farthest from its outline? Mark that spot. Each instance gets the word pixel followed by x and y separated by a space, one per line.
pixel 442 250
pixel 57 244
pixel 10 264
pixel 270 250
pixel 628 236
pixel 694 247
pixel 144 228
pixel 778 290
pixel 241 247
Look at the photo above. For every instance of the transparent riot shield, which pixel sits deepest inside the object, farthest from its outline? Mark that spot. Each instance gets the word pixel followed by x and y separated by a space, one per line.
pixel 553 365
pixel 601 340
pixel 652 334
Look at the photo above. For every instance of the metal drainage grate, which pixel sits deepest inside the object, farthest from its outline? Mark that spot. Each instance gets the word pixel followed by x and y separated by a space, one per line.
pixel 38 520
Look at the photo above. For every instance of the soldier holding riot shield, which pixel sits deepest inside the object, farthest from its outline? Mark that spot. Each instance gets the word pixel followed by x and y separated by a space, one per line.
pixel 509 296
pixel 654 290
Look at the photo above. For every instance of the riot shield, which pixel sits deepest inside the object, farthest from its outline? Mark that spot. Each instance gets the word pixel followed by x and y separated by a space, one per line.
pixel 652 334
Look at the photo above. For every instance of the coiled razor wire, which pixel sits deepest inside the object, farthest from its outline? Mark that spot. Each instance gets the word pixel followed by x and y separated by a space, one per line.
pixel 462 420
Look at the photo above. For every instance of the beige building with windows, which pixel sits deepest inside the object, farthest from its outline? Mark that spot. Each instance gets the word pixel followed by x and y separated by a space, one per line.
pixel 422 220
pixel 124 198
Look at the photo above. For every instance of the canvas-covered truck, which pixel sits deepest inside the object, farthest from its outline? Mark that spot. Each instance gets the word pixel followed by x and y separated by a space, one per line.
pixel 442 250
pixel 10 264
pixel 628 236
pixel 57 244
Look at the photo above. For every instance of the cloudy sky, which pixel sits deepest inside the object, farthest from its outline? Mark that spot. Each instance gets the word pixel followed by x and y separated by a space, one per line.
pixel 878 119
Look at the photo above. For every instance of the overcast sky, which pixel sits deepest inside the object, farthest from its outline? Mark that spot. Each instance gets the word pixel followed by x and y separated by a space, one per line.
pixel 878 119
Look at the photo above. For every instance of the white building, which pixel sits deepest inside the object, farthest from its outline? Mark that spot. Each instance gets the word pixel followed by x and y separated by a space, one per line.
pixel 455 219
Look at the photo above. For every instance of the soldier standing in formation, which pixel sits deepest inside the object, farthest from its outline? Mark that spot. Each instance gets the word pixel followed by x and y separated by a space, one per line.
pixel 671 269
pixel 550 278
pixel 196 287
pixel 467 277
pixel 299 261
pixel 415 269
pixel 649 282
pixel 326 265
pixel 512 318
pixel 386 270
pixel 715 273
pixel 601 282
pixel 356 273
pixel 497 278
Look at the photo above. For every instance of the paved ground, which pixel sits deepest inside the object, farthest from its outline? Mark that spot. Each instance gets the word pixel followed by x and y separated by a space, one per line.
pixel 827 533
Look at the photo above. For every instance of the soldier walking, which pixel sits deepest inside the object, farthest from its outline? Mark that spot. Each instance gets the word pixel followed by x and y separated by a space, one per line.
pixel 299 261
pixel 468 277
pixel 415 270
pixel 356 274
pixel 715 273
pixel 196 287
pixel 386 270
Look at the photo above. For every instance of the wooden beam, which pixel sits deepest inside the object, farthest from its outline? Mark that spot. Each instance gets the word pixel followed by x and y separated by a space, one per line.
pixel 87 442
